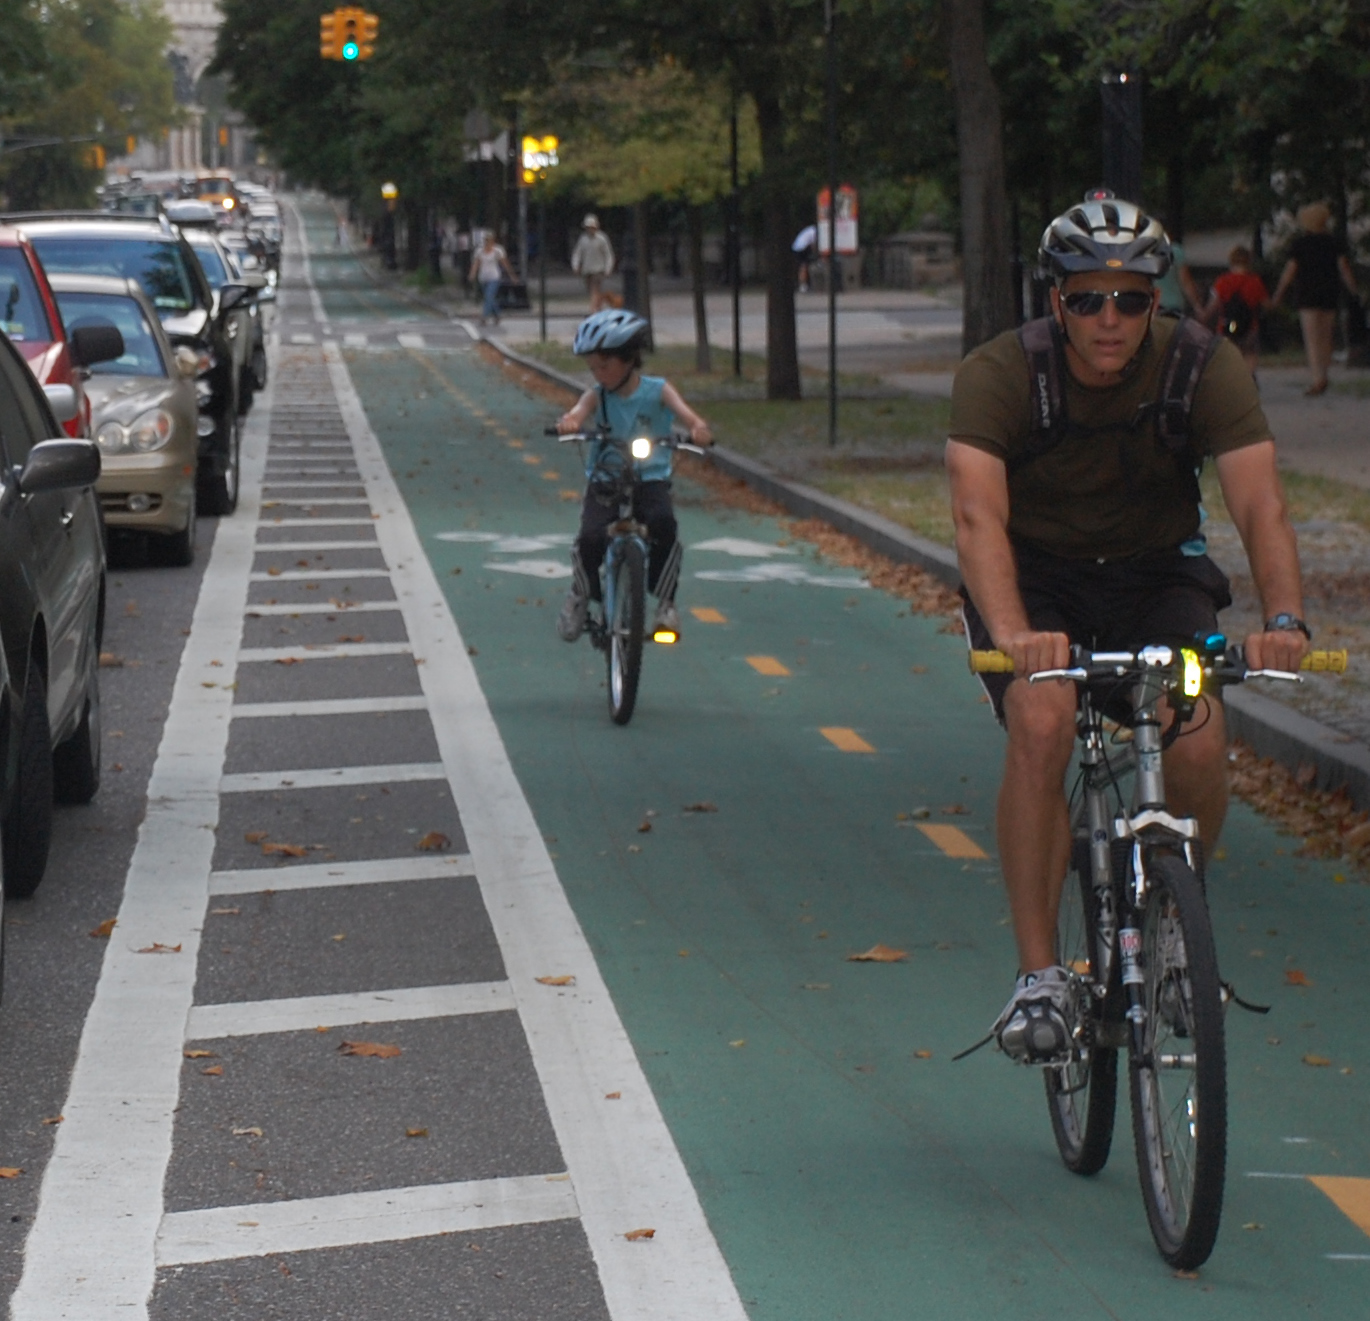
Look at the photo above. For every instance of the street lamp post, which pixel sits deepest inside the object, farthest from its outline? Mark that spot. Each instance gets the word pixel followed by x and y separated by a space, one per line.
pixel 539 158
pixel 735 243
pixel 833 266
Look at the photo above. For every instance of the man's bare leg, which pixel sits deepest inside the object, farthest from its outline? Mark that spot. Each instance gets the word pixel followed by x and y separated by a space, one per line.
pixel 1196 774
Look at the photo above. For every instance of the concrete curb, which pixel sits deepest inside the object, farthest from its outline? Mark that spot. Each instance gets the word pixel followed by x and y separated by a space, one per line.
pixel 1265 725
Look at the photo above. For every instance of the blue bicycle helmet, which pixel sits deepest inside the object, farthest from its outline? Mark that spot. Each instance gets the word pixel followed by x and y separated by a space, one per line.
pixel 603 332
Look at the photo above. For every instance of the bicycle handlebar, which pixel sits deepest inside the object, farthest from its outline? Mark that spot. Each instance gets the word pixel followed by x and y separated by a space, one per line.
pixel 1231 668
pixel 672 442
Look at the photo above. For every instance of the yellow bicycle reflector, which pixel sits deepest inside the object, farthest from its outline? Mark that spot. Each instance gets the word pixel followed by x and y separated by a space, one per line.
pixel 1193 672
pixel 666 635
pixel 641 448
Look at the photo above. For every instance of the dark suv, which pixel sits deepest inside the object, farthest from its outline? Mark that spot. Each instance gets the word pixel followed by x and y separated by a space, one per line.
pixel 155 254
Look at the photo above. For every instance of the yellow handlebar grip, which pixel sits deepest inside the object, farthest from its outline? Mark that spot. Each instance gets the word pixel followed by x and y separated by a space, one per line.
pixel 1325 662
pixel 990 662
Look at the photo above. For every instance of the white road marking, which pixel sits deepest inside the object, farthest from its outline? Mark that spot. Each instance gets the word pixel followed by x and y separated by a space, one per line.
pixel 355 341
pixel 89 1255
pixel 1267 1174
pixel 742 548
pixel 269 522
pixel 322 875
pixel 409 772
pixel 322 608
pixel 362 542
pixel 783 573
pixel 1347 1256
pixel 385 1216
pixel 307 1012
pixel 324 651
pixel 411 341
pixel 302 339
pixel 311 502
pixel 326 706
pixel 312 445
pixel 623 1161
pixel 316 575
pixel 549 569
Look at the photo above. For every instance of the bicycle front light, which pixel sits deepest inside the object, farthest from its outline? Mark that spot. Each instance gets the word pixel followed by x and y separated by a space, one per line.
pixel 641 448
pixel 1193 672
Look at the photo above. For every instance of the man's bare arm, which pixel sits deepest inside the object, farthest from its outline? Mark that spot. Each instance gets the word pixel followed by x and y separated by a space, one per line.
pixel 980 508
pixel 1255 499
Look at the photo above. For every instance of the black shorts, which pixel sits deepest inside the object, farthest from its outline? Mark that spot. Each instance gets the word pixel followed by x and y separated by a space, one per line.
pixel 1120 605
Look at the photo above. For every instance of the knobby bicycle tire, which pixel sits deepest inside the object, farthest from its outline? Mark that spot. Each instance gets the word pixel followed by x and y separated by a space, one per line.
pixel 625 632
pixel 1082 1097
pixel 1179 1076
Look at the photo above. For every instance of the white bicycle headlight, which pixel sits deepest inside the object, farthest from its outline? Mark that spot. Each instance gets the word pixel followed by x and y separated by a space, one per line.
pixel 111 438
pixel 641 448
pixel 151 431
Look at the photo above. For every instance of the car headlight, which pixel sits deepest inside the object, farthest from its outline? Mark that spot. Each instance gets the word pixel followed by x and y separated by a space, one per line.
pixel 205 362
pixel 111 438
pixel 151 431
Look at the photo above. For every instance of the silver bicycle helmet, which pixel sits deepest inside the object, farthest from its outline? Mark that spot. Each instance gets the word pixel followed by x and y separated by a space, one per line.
pixel 602 332
pixel 1104 233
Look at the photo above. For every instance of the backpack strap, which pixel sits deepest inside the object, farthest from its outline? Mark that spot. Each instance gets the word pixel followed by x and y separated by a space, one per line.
pixel 1044 349
pixel 1190 350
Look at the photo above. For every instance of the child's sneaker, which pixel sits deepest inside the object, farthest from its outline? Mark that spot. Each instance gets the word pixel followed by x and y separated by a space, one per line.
pixel 571 619
pixel 667 618
pixel 1035 1025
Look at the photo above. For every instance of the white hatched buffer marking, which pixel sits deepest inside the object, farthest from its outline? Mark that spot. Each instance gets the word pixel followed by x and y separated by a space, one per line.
pixel 247 782
pixel 317 575
pixel 322 608
pixel 327 706
pixel 322 651
pixel 368 543
pixel 321 875
pixel 411 341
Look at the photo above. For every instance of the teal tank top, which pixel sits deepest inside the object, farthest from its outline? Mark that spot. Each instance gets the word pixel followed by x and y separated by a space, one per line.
pixel 641 413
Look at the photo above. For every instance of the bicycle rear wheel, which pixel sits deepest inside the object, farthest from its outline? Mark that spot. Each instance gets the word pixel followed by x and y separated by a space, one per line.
pixel 1082 1096
pixel 625 632
pixel 1179 1069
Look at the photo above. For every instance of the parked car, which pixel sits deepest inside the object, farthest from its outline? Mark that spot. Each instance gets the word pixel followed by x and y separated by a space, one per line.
pixel 143 414
pixel 52 605
pixel 244 321
pixel 155 254
pixel 28 315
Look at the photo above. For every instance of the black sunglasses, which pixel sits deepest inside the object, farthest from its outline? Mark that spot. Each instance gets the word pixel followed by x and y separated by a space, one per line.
pixel 1090 302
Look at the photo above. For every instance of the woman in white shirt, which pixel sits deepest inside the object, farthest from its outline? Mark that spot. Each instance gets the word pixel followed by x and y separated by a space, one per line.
pixel 489 265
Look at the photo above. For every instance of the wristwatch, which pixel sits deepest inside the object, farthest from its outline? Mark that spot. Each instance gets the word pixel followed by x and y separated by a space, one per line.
pixel 1284 622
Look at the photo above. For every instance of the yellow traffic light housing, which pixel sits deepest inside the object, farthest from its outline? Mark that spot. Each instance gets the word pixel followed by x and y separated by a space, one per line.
pixel 348 34
pixel 370 26
pixel 328 36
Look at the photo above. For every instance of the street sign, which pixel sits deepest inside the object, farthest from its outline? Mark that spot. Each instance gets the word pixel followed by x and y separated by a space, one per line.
pixel 847 216
pixel 539 156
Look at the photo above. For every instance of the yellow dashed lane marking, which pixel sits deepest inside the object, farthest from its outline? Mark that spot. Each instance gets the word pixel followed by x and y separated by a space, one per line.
pixel 551 477
pixel 1350 1196
pixel 953 841
pixel 706 614
pixel 531 458
pixel 515 444
pixel 845 740
pixel 768 665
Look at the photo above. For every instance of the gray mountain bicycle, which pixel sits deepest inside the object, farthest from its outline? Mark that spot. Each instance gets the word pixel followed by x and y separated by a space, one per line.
pixel 1135 936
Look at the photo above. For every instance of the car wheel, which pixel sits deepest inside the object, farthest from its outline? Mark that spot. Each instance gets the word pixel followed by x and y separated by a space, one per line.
pixel 218 490
pixel 259 366
pixel 28 829
pixel 76 761
pixel 177 548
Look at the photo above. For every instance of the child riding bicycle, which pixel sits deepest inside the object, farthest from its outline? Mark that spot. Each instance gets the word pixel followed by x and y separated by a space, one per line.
pixel 627 405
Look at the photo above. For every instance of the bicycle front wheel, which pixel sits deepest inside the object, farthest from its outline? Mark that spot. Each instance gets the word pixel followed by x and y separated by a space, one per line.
pixel 625 631
pixel 1179 1068
pixel 1082 1095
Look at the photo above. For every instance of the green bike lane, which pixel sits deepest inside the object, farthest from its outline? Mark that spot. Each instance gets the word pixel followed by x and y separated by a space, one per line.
pixel 847 1167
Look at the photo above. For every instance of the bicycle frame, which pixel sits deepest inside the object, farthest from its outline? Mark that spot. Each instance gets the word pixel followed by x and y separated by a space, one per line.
pixel 620 534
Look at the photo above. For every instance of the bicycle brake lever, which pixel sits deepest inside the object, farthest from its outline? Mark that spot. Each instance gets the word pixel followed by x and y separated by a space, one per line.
pixel 1274 674
pixel 1075 673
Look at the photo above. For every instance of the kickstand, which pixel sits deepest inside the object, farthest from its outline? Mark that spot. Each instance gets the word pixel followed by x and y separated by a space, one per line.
pixel 970 1050
pixel 1230 993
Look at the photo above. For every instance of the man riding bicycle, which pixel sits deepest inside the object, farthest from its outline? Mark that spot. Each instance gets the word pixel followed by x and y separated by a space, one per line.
pixel 1072 455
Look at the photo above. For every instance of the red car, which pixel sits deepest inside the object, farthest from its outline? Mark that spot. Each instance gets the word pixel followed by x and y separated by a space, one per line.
pixel 29 317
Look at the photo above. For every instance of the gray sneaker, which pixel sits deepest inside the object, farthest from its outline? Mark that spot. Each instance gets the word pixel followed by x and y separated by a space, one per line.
pixel 571 617
pixel 1035 1027
pixel 667 617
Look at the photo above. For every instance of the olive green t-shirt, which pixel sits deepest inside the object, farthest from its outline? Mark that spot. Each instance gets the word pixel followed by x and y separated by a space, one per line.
pixel 1107 489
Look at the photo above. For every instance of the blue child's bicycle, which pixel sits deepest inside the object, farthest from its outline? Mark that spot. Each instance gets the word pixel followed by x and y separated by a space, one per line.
pixel 619 628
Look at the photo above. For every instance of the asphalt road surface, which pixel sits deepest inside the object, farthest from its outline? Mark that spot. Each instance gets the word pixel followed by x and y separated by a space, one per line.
pixel 431 987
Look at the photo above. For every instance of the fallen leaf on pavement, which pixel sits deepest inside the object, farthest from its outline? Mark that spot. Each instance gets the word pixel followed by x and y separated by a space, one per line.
pixel 566 979
pixel 879 954
pixel 225 912
pixel 342 935
pixel 353 637
pixel 645 828
pixel 105 929
pixel 613 1096
pixel 433 842
pixel 1186 1275
pixel 816 986
pixel 287 850
pixel 372 1049
pixel 955 809
pixel 158 948
pixel 56 1119
pixel 1317 1061
pixel 922 1054
pixel 1253 1224
pixel 273 572
pixel 700 807
pixel 1295 977
pixel 9 1172
pixel 253 1132
pixel 256 836
pixel 633 1235
pixel 739 1043
pixel 109 661
pixel 287 660
pixel 416 1132
pixel 199 1054
pixel 214 1071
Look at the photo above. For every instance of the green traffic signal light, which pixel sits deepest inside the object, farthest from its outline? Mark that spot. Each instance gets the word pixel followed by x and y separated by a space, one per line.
pixel 350 50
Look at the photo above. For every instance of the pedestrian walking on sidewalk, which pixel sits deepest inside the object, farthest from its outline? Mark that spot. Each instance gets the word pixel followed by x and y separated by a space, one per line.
pixel 593 258
pixel 1236 303
pixel 1317 268
pixel 805 248
pixel 488 267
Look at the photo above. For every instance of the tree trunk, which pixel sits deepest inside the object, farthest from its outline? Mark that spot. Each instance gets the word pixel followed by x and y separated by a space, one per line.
pixel 642 241
pixel 782 349
pixel 703 358
pixel 988 298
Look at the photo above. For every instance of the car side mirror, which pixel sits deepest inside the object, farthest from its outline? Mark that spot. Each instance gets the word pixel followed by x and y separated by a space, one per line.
pixel 233 295
pixel 187 361
pixel 60 465
pixel 92 344
pixel 63 402
pixel 253 279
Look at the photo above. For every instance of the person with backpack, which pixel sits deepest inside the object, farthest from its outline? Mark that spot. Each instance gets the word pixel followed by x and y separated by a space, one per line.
pixel 1073 454
pixel 1235 305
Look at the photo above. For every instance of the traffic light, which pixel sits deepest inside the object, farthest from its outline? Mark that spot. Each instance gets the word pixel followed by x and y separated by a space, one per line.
pixel 348 34
pixel 349 30
pixel 370 26
pixel 328 36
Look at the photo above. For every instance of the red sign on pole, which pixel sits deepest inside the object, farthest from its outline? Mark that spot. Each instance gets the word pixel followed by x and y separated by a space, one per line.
pixel 848 212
